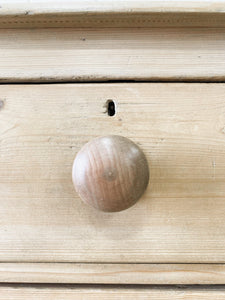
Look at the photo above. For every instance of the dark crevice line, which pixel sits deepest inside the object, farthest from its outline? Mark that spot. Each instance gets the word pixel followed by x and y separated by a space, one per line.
pixel 51 82
pixel 174 287
pixel 111 263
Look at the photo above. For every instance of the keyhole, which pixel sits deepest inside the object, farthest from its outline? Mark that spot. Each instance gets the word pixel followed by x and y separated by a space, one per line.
pixel 111 108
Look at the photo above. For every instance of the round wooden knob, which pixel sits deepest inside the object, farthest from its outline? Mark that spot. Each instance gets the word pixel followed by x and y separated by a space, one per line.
pixel 110 173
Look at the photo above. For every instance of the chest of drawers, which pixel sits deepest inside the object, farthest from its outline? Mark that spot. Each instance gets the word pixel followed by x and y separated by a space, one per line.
pixel 162 65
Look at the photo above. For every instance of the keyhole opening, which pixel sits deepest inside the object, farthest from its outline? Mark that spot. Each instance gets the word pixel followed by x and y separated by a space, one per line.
pixel 111 108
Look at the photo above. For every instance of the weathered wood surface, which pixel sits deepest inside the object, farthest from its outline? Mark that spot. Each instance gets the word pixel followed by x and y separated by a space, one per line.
pixel 38 7
pixel 67 54
pixel 75 273
pixel 43 292
pixel 111 13
pixel 180 218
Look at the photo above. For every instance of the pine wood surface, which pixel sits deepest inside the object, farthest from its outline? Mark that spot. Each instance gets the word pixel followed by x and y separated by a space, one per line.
pixel 179 219
pixel 70 54
pixel 117 274
pixel 43 292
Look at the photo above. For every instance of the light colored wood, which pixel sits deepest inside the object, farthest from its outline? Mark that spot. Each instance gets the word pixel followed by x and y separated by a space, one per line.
pixel 110 173
pixel 15 7
pixel 101 292
pixel 103 54
pixel 111 13
pixel 180 128
pixel 64 273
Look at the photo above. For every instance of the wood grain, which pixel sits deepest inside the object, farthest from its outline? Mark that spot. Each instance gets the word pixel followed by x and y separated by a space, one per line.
pixel 180 128
pixel 48 55
pixel 74 273
pixel 110 173
pixel 101 292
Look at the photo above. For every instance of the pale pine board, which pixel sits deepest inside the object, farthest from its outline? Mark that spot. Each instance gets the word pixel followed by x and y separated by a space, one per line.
pixel 74 273
pixel 103 293
pixel 68 54
pixel 180 127
pixel 37 7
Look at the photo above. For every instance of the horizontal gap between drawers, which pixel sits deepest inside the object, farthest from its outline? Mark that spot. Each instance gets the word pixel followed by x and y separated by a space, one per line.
pixel 150 287
pixel 191 81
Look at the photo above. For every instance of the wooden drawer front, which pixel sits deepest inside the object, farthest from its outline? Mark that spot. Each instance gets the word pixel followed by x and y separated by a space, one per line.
pixel 180 218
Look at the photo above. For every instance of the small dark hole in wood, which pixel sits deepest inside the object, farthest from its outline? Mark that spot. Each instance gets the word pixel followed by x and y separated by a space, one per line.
pixel 111 108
